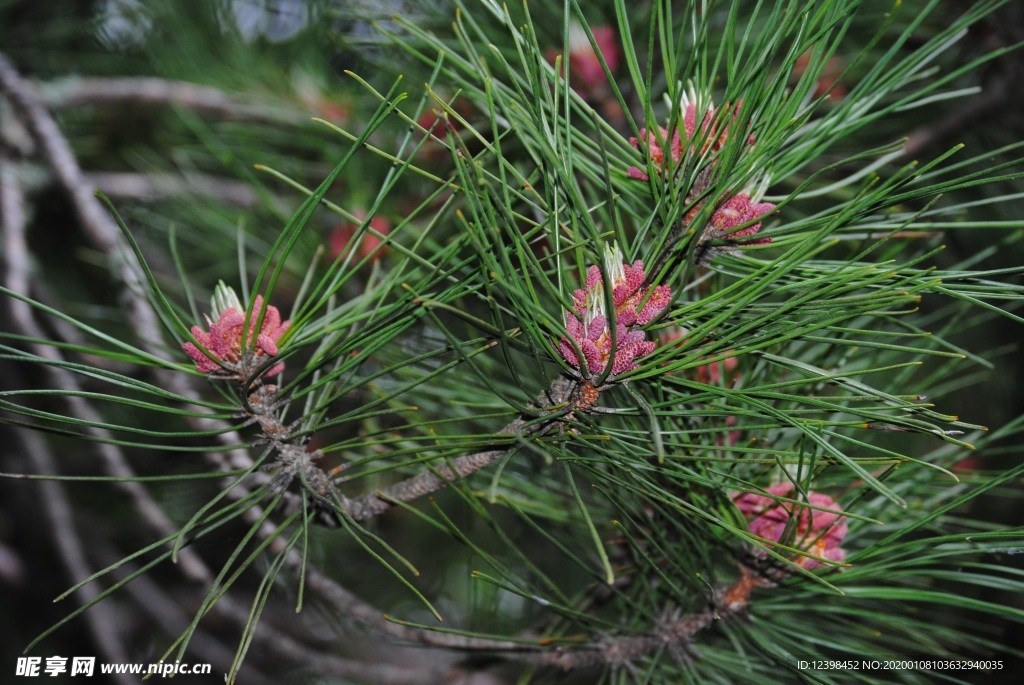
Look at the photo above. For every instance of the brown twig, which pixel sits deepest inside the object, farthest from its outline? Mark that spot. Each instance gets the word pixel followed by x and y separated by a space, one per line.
pixel 156 91
pixel 373 504
pixel 404 666
pixel 673 633
pixel 157 186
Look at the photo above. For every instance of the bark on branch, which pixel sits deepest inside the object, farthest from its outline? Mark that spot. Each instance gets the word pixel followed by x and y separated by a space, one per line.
pixel 157 91
pixel 375 503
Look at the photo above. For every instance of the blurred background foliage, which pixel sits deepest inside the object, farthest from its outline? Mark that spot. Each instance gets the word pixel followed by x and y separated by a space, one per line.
pixel 192 161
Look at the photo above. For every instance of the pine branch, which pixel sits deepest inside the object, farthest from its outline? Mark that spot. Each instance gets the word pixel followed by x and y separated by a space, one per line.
pixel 147 91
pixel 375 503
pixel 673 633
pixel 151 187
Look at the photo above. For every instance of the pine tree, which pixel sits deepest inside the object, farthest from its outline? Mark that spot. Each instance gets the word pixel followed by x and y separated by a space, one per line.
pixel 570 343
